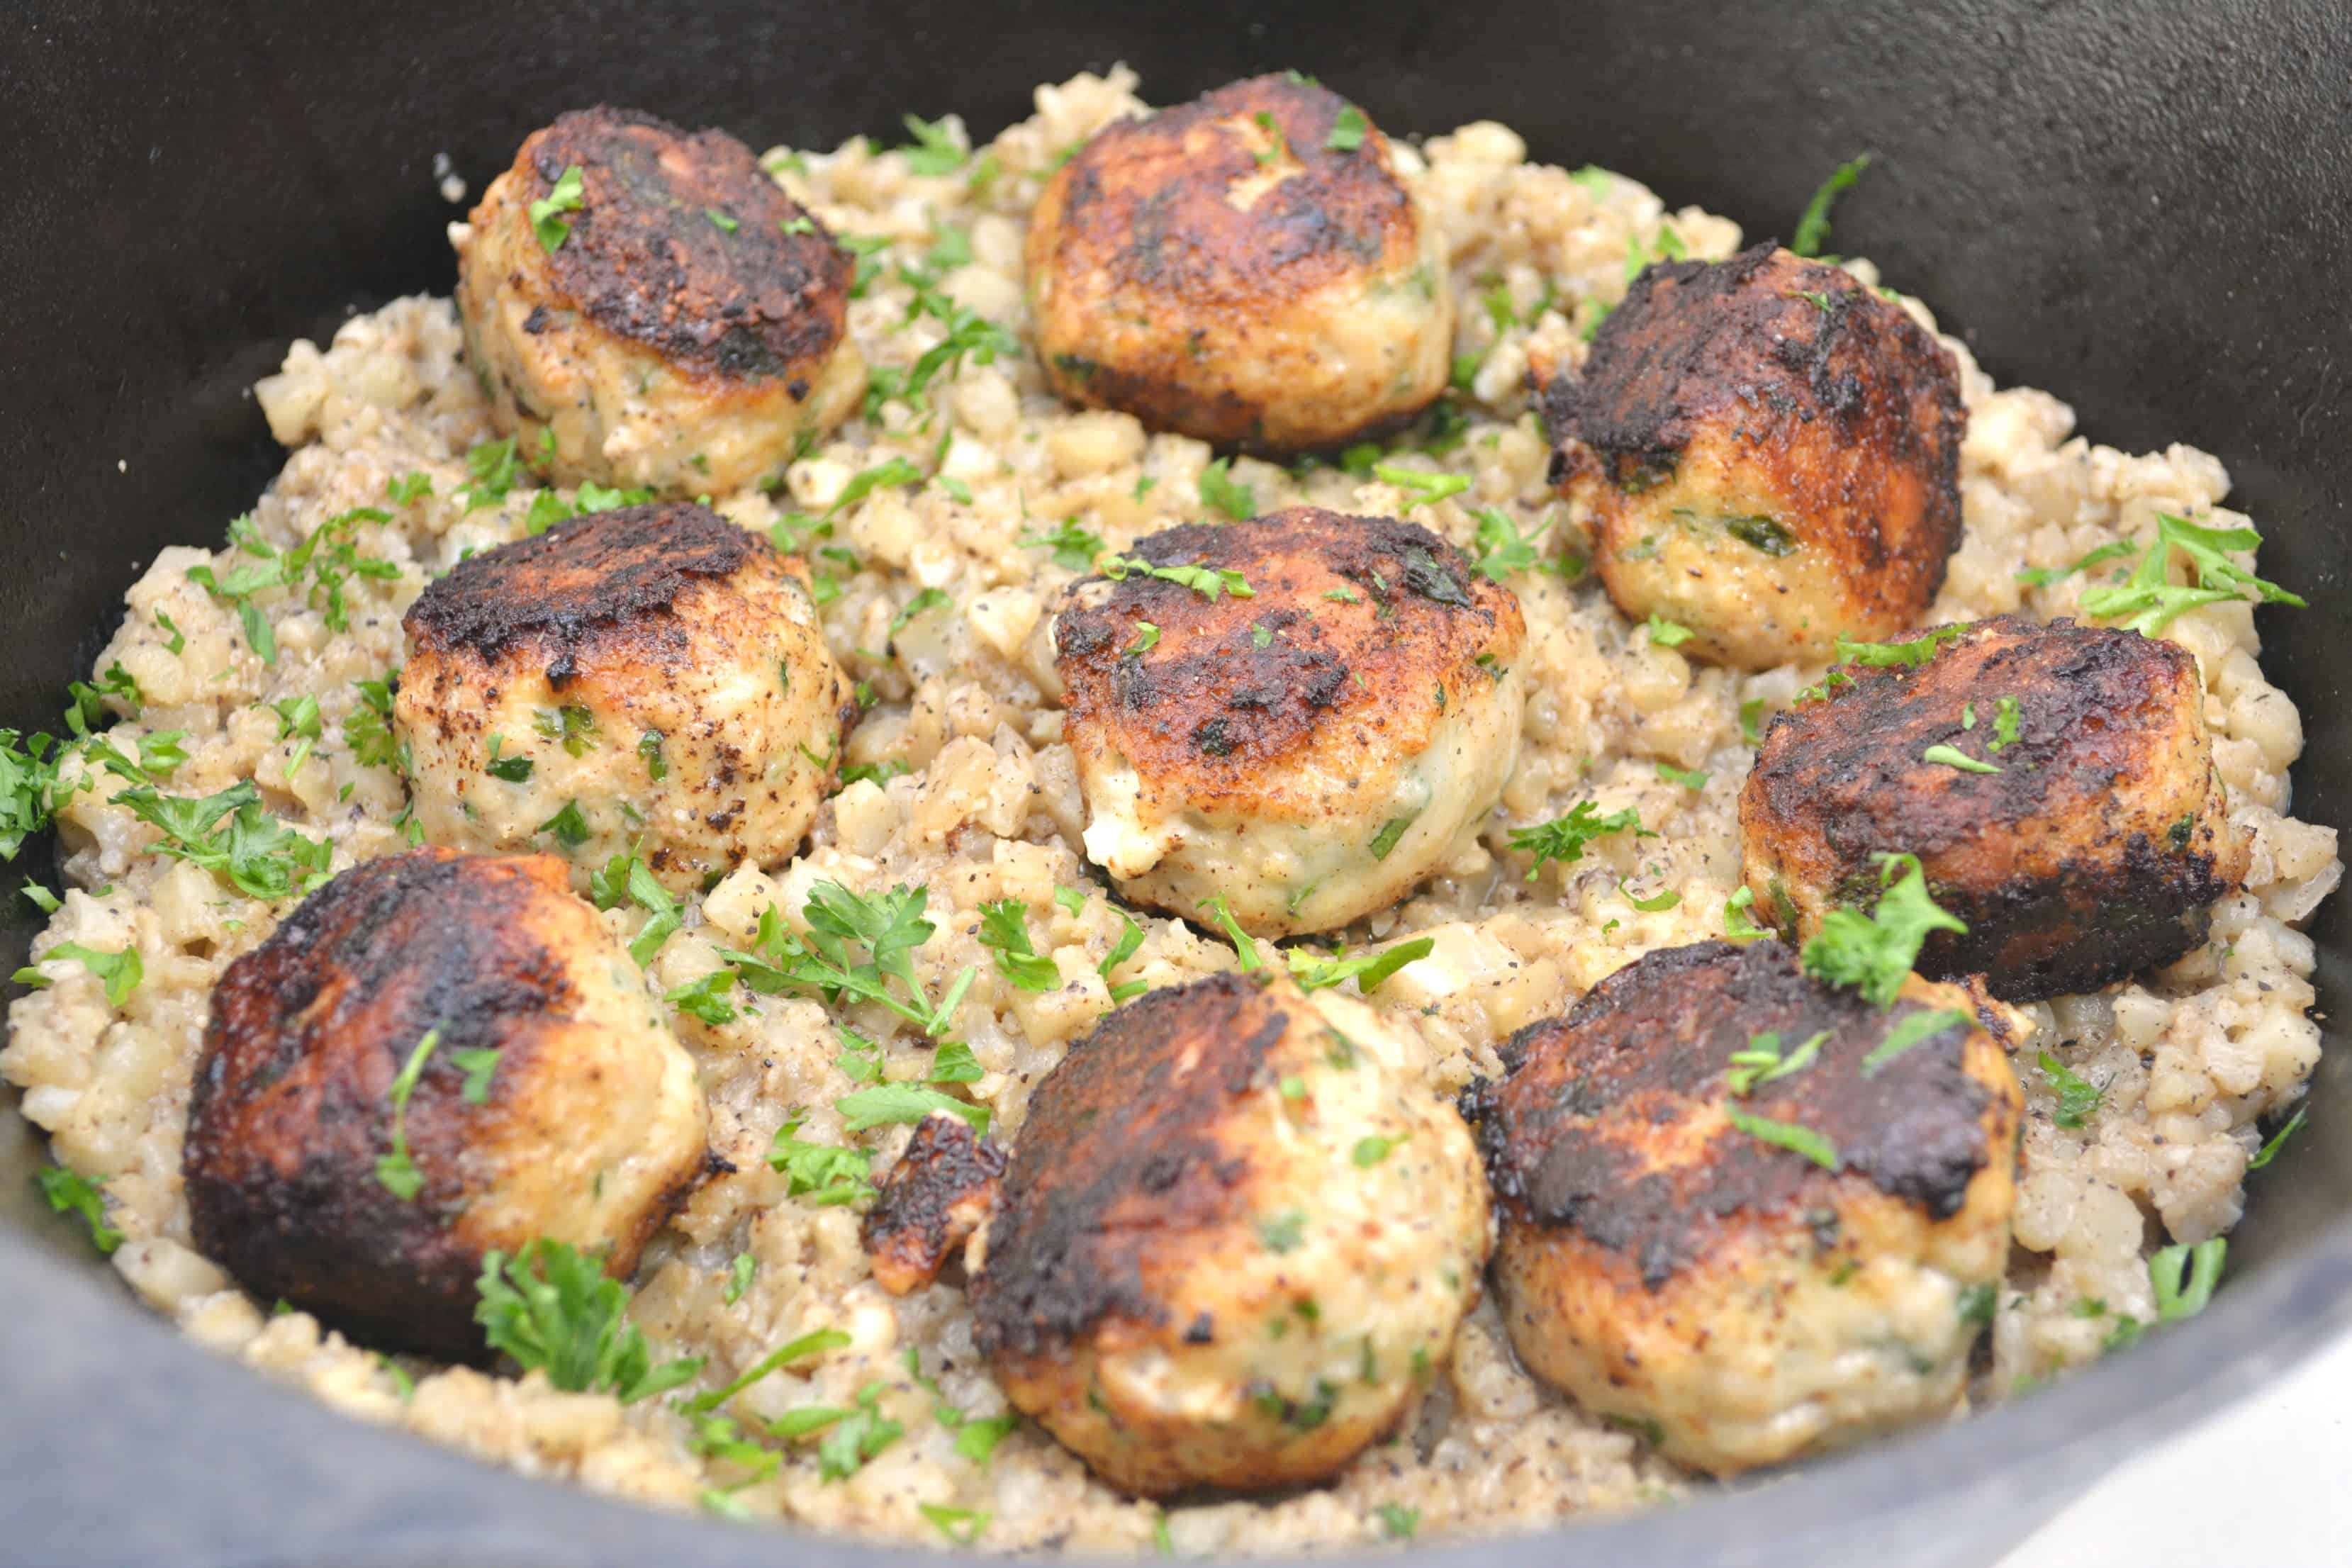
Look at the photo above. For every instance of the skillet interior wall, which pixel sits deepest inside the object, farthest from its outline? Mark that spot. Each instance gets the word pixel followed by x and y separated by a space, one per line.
pixel 2143 207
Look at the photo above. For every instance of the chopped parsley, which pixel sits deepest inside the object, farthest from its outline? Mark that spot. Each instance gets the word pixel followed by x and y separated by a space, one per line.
pixel 554 1309
pixel 1564 837
pixel 828 1174
pixel 1130 941
pixel 1373 1147
pixel 1762 1061
pixel 367 728
pixel 1220 489
pixel 1912 1029
pixel 705 999
pixel 119 973
pixel 1503 550
pixel 1348 128
pixel 866 481
pixel 564 196
pixel 1686 777
pixel 927 600
pixel 1206 581
pixel 1873 952
pixel 887 926
pixel 2077 1096
pixel 575 727
pixel 394 1169
pixel 2042 576
pixel 1665 633
pixel 2148 601
pixel 1738 924
pixel 739 1277
pixel 569 828
pixel 1390 831
pixel 1244 947
pixel 1075 548
pixel 935 150
pixel 413 486
pixel 68 1192
pixel 1004 930
pixel 1398 1522
pixel 2184 1278
pixel 480 1065
pixel 720 221
pixel 1813 224
pixel 2278 1139
pixel 1368 970
pixel 960 1525
pixel 2005 720
pixel 1652 905
pixel 1789 1135
pixel 1953 757
pixel 230 835
pixel 1284 1232
pixel 1427 489
pixel 889 1103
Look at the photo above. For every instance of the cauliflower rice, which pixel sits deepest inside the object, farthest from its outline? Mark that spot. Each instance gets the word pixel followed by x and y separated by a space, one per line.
pixel 989 808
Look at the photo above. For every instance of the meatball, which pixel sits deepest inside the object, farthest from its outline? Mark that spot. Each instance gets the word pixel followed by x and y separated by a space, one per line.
pixel 1740 1299
pixel 1307 715
pixel 2056 783
pixel 667 313
pixel 553 1100
pixel 1249 268
pixel 1766 453
pixel 652 678
pixel 1235 1238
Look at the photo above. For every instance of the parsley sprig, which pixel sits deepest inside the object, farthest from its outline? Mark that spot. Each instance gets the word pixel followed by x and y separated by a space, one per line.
pixel 230 835
pixel 553 1308
pixel 1873 952
pixel 887 927
pixel 2148 600
pixel 1563 838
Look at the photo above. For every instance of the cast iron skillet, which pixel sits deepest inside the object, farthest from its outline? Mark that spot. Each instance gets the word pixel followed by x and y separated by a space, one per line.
pixel 2142 207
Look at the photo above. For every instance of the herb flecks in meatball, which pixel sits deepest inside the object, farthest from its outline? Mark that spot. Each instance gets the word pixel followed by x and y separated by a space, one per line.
pixel 1752 1212
pixel 435 1055
pixel 1249 268
pixel 1233 1238
pixel 2056 783
pixel 654 300
pixel 1305 714
pixel 1766 453
pixel 653 678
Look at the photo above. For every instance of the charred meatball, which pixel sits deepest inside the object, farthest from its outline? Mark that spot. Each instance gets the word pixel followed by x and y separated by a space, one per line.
pixel 553 1100
pixel 1749 1214
pixel 653 677
pixel 1249 268
pixel 1234 1237
pixel 1306 713
pixel 2056 783
pixel 657 304
pixel 1766 453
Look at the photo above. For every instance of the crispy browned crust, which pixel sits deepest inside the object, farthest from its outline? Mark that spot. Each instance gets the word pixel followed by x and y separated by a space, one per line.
pixel 1140 226
pixel 1588 1130
pixel 291 1102
pixel 1852 412
pixel 937 1193
pixel 1209 711
pixel 645 262
pixel 2059 897
pixel 1122 1163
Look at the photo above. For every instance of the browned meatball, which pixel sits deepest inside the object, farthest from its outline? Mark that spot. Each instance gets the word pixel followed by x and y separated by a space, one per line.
pixel 2082 832
pixel 587 1126
pixel 688 329
pixel 1766 453
pixel 652 677
pixel 1742 1300
pixel 1312 740
pixel 1249 268
pixel 1233 1234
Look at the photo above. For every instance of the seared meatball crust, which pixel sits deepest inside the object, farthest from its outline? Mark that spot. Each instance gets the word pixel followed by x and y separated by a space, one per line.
pixel 1223 270
pixel 1233 1236
pixel 1744 1303
pixel 942 1188
pixel 1312 749
pixel 689 331
pixel 655 671
pixel 1765 452
pixel 590 1130
pixel 2097 850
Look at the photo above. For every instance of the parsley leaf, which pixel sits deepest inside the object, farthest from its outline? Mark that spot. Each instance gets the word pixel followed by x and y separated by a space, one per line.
pixel 1665 633
pixel 1563 838
pixel 1368 970
pixel 1789 1135
pixel 254 852
pixel 866 481
pixel 553 1310
pixel 2077 1096
pixel 2042 576
pixel 826 1174
pixel 904 1102
pixel 1075 548
pixel 1762 1061
pixel 1244 947
pixel 394 1169
pixel 704 999
pixel 1005 930
pixel 2148 601
pixel 816 1341
pixel 119 972
pixel 1953 757
pixel 1228 495
pixel 1503 550
pixel 1912 1029
pixel 1206 581
pixel 1813 226
pixel 1427 489
pixel 1348 128
pixel 1873 952
pixel 2278 1139
pixel 1686 777
pixel 564 196
pixel 935 150
pixel 1738 925
pixel 68 1192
